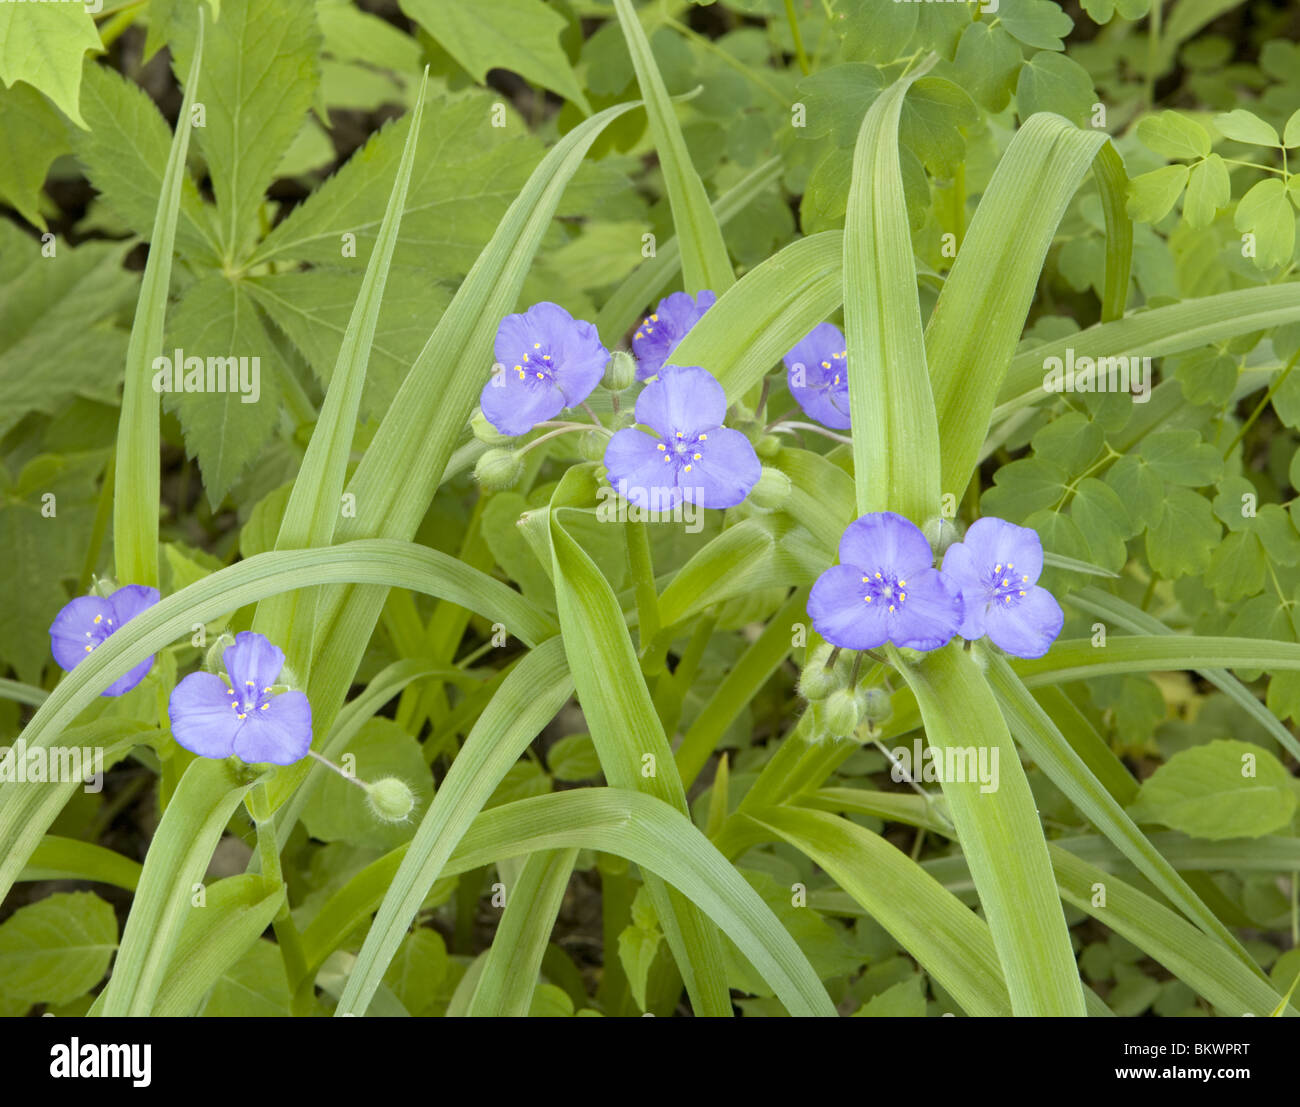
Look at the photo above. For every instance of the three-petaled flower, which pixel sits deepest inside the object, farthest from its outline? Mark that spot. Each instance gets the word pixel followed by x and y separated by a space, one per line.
pixel 695 458
pixel 885 589
pixel 996 566
pixel 88 620
pixel 547 361
pixel 246 716
pixel 659 333
pixel 817 370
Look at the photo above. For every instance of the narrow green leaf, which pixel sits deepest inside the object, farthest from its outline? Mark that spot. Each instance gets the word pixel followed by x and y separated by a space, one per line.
pixel 705 263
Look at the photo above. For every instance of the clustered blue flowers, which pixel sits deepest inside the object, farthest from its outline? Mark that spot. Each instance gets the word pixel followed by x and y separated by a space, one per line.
pixel 886 589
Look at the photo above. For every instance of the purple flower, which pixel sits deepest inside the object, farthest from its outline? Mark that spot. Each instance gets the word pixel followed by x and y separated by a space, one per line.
pixel 996 566
pixel 244 717
pixel 885 589
pixel 660 331
pixel 550 361
pixel 817 369
pixel 694 458
pixel 88 620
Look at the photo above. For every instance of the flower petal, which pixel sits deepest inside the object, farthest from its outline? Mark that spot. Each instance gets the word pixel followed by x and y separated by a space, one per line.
pixel 130 600
pixel 126 682
pixel 202 718
pixel 885 542
pixel 840 613
pixel 727 469
pixel 580 362
pixel 930 616
pixel 960 568
pixel 656 339
pixel 827 405
pixel 818 345
pixel 68 639
pixel 252 662
pixel 637 469
pixel 688 401
pixel 1027 628
pixel 280 735
pixel 993 542
pixel 514 406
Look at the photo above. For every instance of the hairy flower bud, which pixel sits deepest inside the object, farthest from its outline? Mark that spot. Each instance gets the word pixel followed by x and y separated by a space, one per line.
pixel 212 662
pixel 876 705
pixel 817 681
pixel 390 799
pixel 940 532
pixel 620 373
pixel 768 446
pixel 840 712
pixel 498 469
pixel 592 445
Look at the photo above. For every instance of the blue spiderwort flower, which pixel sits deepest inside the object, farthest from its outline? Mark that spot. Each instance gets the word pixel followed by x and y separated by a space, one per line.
pixel 549 361
pixel 996 566
pixel 817 370
pixel 660 331
pixel 85 622
pixel 885 589
pixel 695 458
pixel 245 717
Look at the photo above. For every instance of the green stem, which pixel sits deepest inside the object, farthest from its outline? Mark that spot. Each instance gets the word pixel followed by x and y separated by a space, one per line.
pixel 1259 407
pixel 643 573
pixel 795 33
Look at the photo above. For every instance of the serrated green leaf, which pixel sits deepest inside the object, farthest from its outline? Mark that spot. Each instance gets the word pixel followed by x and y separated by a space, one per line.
pixel 43 45
pixel 519 35
pixel 1037 23
pixel 33 134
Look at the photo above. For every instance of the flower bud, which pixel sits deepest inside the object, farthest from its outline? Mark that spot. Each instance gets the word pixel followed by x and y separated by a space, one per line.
pixel 620 373
pixel 817 681
pixel 592 445
pixel 390 799
pixel 772 490
pixel 940 532
pixel 840 713
pixel 103 587
pixel 876 706
pixel 498 469
pixel 485 431
pixel 768 446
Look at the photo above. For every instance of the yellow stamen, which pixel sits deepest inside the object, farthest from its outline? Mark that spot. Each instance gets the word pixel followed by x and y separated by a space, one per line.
pixel 688 468
pixel 891 607
pixel 695 457
pixel 704 438
pixel 661 446
pixel 89 648
pixel 98 619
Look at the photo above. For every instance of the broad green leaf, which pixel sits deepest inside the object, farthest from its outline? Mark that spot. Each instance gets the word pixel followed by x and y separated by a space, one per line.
pixel 1152 195
pixel 216 321
pixel 263 57
pixel 1208 190
pixel 1241 125
pixel 32 132
pixel 1039 23
pixel 43 44
pixel 1174 136
pixel 1267 213
pixel 418 971
pixel 56 949
pixel 466 172
pixel 254 987
pixel 519 35
pixel 1055 83
pixel 1224 789
pixel 125 156
pixel 1291 136
pixel 57 338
